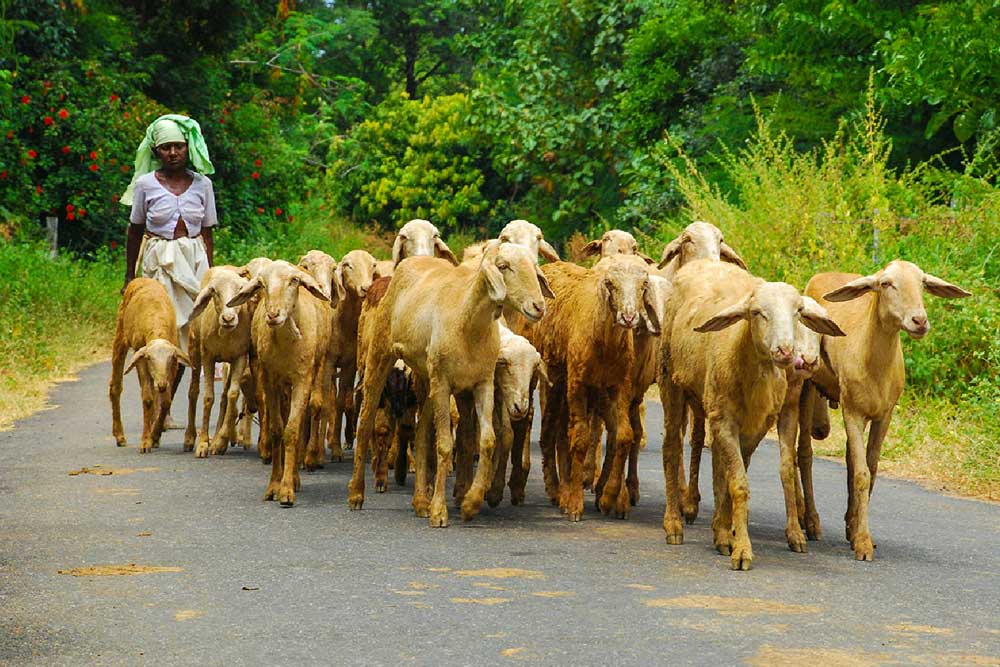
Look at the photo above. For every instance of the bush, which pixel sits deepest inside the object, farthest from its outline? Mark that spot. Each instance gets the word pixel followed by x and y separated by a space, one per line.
pixel 412 159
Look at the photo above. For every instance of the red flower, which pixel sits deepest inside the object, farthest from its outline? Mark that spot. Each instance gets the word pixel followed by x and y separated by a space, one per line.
pixel 222 121
pixel 69 208
pixel 256 162
pixel 32 154
pixel 81 212
pixel 38 189
pixel 114 244
pixel 259 209
pixel 114 198
pixel 113 98
pixel 255 175
pixel 94 167
pixel 10 134
pixel 124 168
pixel 63 114
pixel 3 177
pixel 48 120
pixel 290 218
pixel 70 216
pixel 93 155
pixel 65 149
pixel 277 211
pixel 25 100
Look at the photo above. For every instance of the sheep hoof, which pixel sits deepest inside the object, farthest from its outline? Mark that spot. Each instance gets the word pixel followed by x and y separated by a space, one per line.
pixel 742 560
pixel 813 529
pixel 202 451
pixel 286 497
pixel 516 497
pixel 439 518
pixel 271 492
pixel 675 539
pixel 724 548
pixel 421 512
pixel 797 542
pixel 348 445
pixel 266 460
pixel 574 515
pixel 355 501
pixel 864 550
pixel 145 448
pixel 471 505
pixel 121 441
pixel 381 486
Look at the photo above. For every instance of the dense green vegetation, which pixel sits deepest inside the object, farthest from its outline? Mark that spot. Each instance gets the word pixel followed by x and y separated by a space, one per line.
pixel 817 135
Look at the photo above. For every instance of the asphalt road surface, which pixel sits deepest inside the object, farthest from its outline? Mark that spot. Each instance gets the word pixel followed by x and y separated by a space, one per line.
pixel 217 576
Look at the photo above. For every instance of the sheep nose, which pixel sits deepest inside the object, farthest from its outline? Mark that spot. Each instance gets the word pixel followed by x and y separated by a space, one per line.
pixel 539 307
pixel 628 319
pixel 161 387
pixel 784 352
pixel 920 321
pixel 229 318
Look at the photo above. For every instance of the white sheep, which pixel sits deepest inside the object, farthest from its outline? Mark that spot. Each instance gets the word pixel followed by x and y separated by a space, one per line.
pixel 865 371
pixel 733 377
pixel 615 242
pixel 419 238
pixel 147 324
pixel 217 333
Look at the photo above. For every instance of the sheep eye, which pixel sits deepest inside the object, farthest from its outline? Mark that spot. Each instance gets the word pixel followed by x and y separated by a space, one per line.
pixel 503 266
pixel 886 284
pixel 504 239
pixel 758 313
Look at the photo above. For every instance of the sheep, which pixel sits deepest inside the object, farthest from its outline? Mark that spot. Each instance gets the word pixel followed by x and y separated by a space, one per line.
pixel 355 274
pixel 734 379
pixel 383 269
pixel 530 236
pixel 586 344
pixel 442 324
pixel 147 324
pixel 217 333
pixel 699 240
pixel 865 370
pixel 290 343
pixel 395 423
pixel 615 242
pixel 519 369
pixel 250 401
pixel 419 238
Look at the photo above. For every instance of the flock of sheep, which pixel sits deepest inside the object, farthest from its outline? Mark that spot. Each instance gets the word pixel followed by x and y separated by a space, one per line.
pixel 451 352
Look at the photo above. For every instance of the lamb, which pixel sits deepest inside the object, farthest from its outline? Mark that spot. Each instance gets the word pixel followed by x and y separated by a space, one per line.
pixel 734 378
pixel 355 275
pixel 865 370
pixel 442 324
pixel 419 238
pixel 586 344
pixel 217 333
pixel 615 242
pixel 290 344
pixel 147 324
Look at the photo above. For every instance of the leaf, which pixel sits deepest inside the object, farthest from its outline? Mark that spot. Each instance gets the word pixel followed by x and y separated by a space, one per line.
pixel 937 121
pixel 966 124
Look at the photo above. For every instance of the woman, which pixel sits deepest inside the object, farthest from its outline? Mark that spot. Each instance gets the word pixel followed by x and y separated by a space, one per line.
pixel 173 212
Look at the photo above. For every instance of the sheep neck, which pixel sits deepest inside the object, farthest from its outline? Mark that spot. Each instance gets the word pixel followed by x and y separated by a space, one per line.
pixel 879 342
pixel 478 310
pixel 606 333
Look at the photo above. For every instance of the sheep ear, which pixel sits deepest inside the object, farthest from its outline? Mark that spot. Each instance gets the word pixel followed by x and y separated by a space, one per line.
pixel 731 256
pixel 244 294
pixel 495 285
pixel 644 257
pixel 853 289
pixel 943 288
pixel 200 303
pixel 651 318
pixel 727 317
pixel 398 250
pixel 244 272
pixel 181 357
pixel 816 318
pixel 543 283
pixel 307 281
pixel 592 248
pixel 542 372
pixel 337 287
pixel 442 250
pixel 670 251
pixel 139 354
pixel 546 250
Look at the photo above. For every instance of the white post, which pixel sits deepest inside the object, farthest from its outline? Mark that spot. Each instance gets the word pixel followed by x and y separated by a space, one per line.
pixel 52 229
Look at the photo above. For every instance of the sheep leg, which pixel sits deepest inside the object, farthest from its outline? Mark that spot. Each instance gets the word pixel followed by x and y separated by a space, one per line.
pixel 615 494
pixel 290 440
pixel 264 439
pixel 421 455
pixel 672 399
pixel 205 366
pixel 191 433
pixel 552 422
pixel 465 449
pixel 859 486
pixel 692 495
pixel 727 454
pixel 322 388
pixel 226 380
pixel 810 517
pixel 440 399
pixel 503 451
pixel 227 433
pixel 380 457
pixel 579 440
pixel 520 454
pixel 722 517
pixel 270 437
pixel 244 433
pixel 162 400
pixel 148 407
pixel 820 417
pixel 483 394
pixel 637 419
pixel 590 474
pixel 118 351
pixel 377 369
pixel 345 397
pixel 347 406
pixel 788 422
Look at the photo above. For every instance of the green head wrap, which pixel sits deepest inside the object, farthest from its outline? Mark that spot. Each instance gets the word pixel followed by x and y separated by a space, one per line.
pixel 165 129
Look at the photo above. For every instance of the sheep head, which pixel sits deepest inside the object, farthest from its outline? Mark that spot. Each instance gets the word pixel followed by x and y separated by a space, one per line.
pixel 224 283
pixel 772 311
pixel 513 279
pixel 699 240
pixel 899 290
pixel 657 293
pixel 254 266
pixel 614 242
pixel 625 286
pixel 356 272
pixel 323 268
pixel 158 359
pixel 279 281
pixel 529 235
pixel 517 366
pixel 419 238
pixel 807 342
pixel 383 269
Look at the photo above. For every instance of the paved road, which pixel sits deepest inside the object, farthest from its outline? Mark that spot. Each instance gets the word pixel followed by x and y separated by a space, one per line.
pixel 518 584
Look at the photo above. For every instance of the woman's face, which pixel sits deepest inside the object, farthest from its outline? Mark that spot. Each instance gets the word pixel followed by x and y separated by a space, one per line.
pixel 173 154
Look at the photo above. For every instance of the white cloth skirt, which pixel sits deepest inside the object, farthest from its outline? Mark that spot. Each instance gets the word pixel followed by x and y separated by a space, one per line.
pixel 178 265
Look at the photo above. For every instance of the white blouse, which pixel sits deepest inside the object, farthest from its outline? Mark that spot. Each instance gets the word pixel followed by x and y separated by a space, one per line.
pixel 158 209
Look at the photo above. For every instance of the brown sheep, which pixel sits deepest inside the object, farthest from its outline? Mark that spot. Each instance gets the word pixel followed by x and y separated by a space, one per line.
pixel 147 324
pixel 733 378
pixel 865 370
